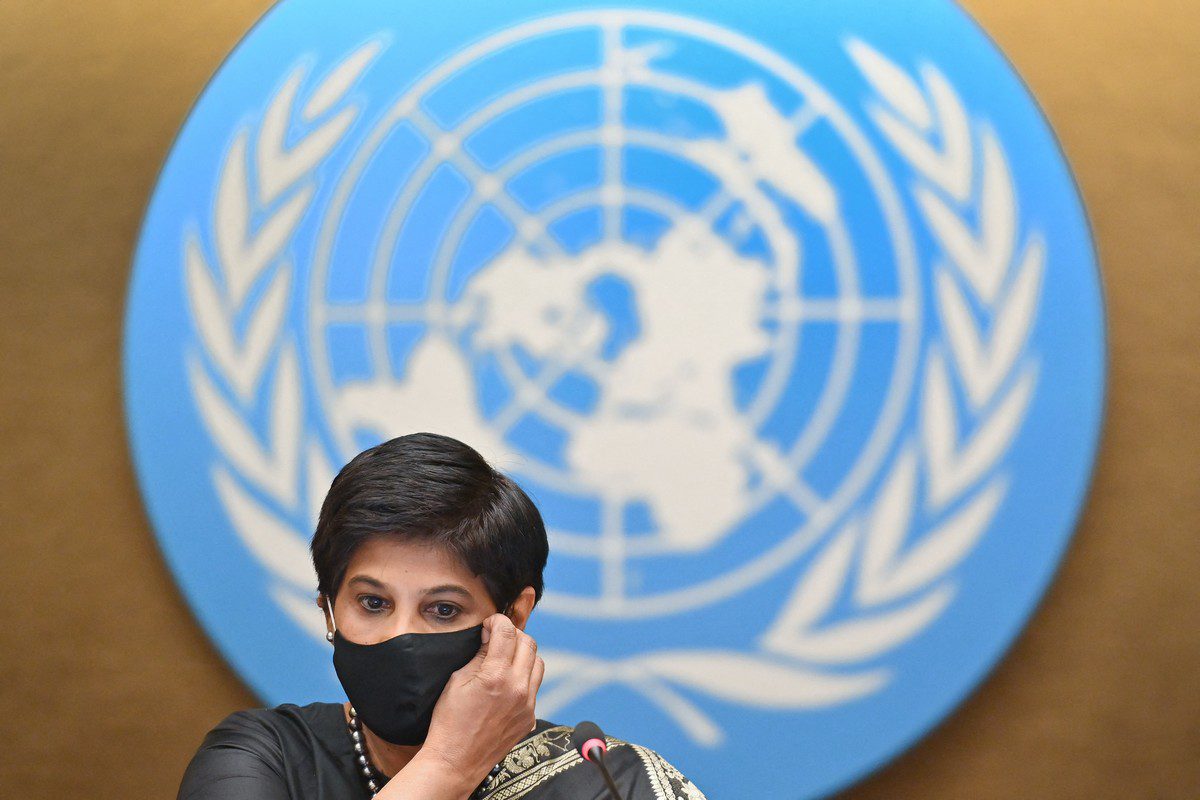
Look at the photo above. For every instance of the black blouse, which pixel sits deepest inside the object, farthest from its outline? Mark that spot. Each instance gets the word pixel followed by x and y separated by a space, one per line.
pixel 305 753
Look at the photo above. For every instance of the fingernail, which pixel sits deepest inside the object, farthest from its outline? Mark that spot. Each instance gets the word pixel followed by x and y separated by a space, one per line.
pixel 485 634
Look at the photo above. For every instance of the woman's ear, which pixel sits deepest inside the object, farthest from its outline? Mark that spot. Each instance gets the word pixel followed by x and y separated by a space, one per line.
pixel 327 607
pixel 522 607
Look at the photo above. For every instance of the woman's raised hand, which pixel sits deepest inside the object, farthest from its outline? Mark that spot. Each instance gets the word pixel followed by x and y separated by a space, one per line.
pixel 488 705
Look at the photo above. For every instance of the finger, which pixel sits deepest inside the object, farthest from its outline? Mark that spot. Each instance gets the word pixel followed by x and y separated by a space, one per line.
pixel 476 662
pixel 526 652
pixel 502 642
pixel 535 677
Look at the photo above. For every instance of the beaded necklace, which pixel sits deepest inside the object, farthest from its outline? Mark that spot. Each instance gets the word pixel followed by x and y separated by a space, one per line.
pixel 373 777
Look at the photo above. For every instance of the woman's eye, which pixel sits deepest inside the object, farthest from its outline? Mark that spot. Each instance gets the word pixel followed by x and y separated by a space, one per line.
pixel 444 610
pixel 372 603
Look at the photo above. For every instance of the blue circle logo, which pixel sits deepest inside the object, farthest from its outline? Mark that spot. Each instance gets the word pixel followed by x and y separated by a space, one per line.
pixel 786 316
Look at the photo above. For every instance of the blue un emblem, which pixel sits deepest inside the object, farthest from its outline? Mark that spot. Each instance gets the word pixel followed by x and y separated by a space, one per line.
pixel 788 321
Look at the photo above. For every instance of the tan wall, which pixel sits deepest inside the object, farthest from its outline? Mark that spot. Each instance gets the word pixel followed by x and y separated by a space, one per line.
pixel 107 684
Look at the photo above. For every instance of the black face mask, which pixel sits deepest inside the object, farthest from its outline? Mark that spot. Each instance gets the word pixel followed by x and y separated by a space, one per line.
pixel 394 685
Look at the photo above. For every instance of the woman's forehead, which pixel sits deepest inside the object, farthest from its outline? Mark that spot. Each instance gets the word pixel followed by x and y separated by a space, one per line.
pixel 408 564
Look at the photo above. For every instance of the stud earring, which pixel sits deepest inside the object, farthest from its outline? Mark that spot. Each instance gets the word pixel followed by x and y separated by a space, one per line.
pixel 326 606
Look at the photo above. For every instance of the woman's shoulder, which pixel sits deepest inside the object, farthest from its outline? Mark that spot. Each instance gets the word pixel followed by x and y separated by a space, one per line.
pixel 285 720
pixel 639 771
pixel 260 752
pixel 652 771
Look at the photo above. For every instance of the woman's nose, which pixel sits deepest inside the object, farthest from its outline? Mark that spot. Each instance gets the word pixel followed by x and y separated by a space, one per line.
pixel 402 623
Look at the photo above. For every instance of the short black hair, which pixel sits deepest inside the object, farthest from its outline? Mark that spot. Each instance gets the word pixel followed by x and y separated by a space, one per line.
pixel 429 487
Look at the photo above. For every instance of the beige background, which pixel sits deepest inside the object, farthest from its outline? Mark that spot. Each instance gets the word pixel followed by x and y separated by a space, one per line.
pixel 107 684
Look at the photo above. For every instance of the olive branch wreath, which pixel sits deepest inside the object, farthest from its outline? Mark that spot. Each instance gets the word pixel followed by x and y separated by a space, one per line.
pixel 894 573
pixel 248 294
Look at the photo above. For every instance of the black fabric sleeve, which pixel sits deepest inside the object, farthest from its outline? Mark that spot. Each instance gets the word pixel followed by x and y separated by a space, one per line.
pixel 643 774
pixel 239 759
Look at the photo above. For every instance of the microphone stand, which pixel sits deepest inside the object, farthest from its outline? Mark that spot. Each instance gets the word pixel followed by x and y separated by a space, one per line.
pixel 589 742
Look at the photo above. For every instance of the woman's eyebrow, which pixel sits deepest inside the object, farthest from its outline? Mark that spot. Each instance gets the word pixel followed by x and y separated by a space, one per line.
pixel 449 588
pixel 368 580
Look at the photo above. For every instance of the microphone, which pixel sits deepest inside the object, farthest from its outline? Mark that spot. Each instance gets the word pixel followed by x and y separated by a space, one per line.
pixel 588 741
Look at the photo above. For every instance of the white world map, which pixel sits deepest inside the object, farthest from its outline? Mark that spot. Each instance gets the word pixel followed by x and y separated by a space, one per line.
pixel 666 429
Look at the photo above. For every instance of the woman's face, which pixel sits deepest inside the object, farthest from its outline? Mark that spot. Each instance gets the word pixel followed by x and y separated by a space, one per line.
pixel 395 586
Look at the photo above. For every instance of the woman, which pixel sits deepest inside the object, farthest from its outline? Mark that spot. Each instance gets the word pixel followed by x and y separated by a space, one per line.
pixel 429 563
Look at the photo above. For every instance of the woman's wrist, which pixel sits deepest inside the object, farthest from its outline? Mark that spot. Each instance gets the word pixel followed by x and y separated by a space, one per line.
pixel 429 776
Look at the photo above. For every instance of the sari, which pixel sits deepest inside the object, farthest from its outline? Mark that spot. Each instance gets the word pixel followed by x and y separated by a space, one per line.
pixel 295 752
pixel 544 766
